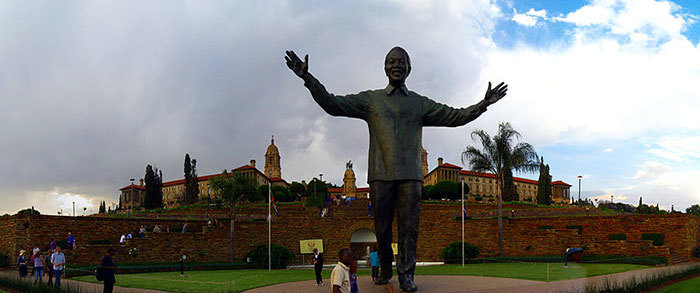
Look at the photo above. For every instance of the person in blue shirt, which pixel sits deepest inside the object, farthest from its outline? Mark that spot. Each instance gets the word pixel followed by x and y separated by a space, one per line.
pixel 353 277
pixel 107 268
pixel 71 240
pixel 374 263
pixel 58 260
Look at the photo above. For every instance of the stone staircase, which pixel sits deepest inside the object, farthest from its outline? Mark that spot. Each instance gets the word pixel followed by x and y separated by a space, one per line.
pixel 676 259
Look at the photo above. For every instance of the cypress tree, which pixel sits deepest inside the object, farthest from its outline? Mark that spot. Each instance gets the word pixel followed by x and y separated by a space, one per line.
pixel 150 200
pixel 544 185
pixel 191 182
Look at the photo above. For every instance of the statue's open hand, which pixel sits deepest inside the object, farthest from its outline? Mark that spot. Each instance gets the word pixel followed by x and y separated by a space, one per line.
pixel 495 94
pixel 295 64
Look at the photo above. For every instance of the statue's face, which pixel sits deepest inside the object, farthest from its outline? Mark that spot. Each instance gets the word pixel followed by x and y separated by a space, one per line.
pixel 397 67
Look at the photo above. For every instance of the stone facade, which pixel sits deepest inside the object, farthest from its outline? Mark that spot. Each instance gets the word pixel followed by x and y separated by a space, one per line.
pixel 485 183
pixel 273 168
pixel 132 196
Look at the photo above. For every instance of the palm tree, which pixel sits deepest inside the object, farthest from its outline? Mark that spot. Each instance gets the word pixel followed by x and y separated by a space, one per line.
pixel 497 156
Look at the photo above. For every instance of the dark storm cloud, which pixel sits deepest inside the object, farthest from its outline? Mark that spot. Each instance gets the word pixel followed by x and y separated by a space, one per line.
pixel 91 92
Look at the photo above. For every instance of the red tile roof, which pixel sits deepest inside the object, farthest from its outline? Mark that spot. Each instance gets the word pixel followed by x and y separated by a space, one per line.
pixel 362 189
pixel 518 179
pixel 276 179
pixel 133 186
pixel 182 181
pixel 244 167
pixel 559 182
pixel 448 165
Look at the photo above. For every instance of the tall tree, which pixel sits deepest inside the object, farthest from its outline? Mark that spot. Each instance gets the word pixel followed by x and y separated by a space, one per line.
pixel 191 181
pixel 153 191
pixel 498 155
pixel 544 185
pixel 102 208
pixel 159 188
pixel 510 192
pixel 232 189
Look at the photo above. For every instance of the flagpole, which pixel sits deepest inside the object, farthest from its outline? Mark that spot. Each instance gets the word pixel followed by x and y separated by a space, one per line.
pixel 269 227
pixel 462 222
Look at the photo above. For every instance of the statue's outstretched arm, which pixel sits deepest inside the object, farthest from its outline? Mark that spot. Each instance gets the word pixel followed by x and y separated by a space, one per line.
pixel 436 114
pixel 355 106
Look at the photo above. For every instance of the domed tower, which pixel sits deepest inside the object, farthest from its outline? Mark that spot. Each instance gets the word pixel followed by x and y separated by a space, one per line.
pixel 424 157
pixel 273 169
pixel 349 187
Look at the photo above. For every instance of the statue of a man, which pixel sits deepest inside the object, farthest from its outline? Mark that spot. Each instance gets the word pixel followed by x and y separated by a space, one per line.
pixel 395 117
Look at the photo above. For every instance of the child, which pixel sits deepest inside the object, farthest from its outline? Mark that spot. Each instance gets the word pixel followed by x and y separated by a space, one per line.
pixel 353 277
pixel 374 263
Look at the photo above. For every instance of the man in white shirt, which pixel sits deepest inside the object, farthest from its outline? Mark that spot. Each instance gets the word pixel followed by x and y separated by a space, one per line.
pixel 340 276
pixel 122 240
pixel 58 259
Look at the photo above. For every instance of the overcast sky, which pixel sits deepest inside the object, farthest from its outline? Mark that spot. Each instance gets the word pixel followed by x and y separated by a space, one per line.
pixel 92 91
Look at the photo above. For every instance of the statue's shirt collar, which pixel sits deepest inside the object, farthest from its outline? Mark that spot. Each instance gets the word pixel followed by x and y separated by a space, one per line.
pixel 390 89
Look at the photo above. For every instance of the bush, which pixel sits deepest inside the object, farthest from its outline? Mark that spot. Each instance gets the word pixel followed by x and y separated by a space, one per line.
pixel 28 212
pixel 696 252
pixel 280 256
pixel 577 227
pixel 453 253
pixel 478 198
pixel 545 227
pixel 620 236
pixel 63 244
pixel 100 242
pixel 657 238
pixel 3 260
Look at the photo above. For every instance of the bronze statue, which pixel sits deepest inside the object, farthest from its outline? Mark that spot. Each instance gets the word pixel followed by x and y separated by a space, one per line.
pixel 395 117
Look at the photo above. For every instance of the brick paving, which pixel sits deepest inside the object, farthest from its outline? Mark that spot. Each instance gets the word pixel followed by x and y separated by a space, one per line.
pixel 84 287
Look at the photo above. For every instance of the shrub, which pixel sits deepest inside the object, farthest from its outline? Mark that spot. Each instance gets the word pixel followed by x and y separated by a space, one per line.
pixel 657 238
pixel 620 236
pixel 453 253
pixel 545 227
pixel 63 244
pixel 3 260
pixel 577 227
pixel 445 189
pixel 100 242
pixel 28 212
pixel 478 198
pixel 696 252
pixel 280 256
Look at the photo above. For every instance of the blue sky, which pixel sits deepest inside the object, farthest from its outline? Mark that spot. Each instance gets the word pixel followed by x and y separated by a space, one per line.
pixel 93 91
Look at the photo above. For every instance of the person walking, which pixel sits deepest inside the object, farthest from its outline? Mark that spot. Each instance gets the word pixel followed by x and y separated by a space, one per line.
pixel 58 260
pixel 156 229
pixel 142 232
pixel 318 266
pixel 49 267
pixel 183 257
pixel 369 209
pixel 122 239
pixel 374 263
pixel 353 277
pixel 71 240
pixel 22 264
pixel 184 228
pixel 38 263
pixel 340 276
pixel 107 269
pixel 52 245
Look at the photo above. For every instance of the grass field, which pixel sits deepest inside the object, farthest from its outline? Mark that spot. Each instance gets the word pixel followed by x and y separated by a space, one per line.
pixel 239 280
pixel 690 285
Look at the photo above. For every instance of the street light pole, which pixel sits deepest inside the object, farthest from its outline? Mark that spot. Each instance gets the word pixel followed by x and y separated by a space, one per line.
pixel 73 209
pixel 463 222
pixel 579 188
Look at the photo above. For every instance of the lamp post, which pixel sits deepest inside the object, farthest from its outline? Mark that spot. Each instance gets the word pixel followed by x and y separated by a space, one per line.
pixel 579 188
pixel 611 198
pixel 73 209
pixel 463 214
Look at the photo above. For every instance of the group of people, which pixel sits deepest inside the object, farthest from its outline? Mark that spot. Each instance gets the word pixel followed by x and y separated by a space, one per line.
pixel 54 262
pixel 142 232
pixel 344 274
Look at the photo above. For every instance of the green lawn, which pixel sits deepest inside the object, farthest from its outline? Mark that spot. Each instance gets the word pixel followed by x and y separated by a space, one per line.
pixel 238 280
pixel 690 285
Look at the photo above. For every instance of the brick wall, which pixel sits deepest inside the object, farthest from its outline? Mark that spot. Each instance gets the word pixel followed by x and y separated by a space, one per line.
pixel 438 228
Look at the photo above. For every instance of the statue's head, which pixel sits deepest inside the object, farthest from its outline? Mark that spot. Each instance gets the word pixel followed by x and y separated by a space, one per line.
pixel 397 66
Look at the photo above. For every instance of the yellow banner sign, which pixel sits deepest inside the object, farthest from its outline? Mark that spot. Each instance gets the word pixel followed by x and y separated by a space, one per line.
pixel 395 248
pixel 307 246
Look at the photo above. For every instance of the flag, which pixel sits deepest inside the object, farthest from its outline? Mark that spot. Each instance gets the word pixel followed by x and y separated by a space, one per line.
pixel 274 206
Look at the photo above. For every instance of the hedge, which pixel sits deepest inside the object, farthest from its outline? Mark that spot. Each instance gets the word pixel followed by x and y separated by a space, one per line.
pixel 657 238
pixel 620 236
pixel 280 256
pixel 577 227
pixel 544 227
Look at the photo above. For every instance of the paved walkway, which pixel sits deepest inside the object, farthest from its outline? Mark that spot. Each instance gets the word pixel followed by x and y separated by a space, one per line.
pixel 484 284
pixel 84 287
